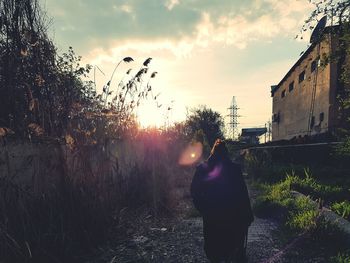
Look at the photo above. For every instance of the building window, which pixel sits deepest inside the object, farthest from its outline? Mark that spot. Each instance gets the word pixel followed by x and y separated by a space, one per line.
pixel 301 76
pixel 283 94
pixel 315 64
pixel 291 86
pixel 321 116
pixel 276 117
pixel 312 123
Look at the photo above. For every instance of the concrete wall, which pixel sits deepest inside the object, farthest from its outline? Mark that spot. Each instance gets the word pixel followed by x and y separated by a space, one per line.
pixel 294 107
pixel 41 168
pixel 37 168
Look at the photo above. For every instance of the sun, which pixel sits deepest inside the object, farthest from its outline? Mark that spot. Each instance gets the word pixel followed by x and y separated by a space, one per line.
pixel 154 114
pixel 149 115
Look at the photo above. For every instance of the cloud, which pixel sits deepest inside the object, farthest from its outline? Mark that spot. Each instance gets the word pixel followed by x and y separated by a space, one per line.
pixel 171 4
pixel 126 8
pixel 205 51
pixel 173 25
pixel 85 24
pixel 237 31
pixel 262 21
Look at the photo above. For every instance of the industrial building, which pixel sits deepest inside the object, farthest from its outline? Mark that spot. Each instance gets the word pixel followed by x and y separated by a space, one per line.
pixel 304 101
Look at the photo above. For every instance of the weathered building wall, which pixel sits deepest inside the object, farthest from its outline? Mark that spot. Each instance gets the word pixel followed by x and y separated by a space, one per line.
pixel 294 106
pixel 334 82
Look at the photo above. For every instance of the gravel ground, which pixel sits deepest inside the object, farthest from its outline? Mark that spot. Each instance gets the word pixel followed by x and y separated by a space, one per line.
pixel 183 242
pixel 180 240
pixel 142 238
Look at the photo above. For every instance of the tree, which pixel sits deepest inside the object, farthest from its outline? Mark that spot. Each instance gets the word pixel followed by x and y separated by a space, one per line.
pixel 204 120
pixel 43 93
pixel 38 88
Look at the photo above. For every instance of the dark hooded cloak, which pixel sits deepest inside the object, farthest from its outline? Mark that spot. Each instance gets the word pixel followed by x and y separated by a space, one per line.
pixel 220 194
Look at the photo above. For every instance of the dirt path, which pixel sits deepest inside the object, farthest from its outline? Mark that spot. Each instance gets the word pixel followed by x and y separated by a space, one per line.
pixel 181 240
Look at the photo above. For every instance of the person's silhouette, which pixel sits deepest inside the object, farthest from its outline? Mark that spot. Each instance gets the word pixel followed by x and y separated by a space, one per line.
pixel 220 194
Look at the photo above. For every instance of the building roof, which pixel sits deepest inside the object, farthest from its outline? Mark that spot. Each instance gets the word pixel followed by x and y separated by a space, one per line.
pixel 274 88
pixel 253 131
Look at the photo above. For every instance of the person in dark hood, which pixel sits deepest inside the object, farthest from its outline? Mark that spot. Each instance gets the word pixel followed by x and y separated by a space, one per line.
pixel 220 194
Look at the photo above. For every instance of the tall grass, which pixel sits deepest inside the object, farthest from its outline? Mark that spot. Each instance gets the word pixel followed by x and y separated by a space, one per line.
pixel 80 197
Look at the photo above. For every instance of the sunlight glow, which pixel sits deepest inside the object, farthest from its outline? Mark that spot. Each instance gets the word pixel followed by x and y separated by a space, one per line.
pixel 149 115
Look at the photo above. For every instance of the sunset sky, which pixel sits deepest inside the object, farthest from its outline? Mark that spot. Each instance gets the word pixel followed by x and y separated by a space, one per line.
pixel 205 51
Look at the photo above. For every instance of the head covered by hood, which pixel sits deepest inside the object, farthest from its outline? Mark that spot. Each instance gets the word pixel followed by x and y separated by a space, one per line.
pixel 219 151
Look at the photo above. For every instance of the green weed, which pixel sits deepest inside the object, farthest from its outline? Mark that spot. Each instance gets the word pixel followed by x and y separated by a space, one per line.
pixel 300 212
pixel 342 208
pixel 342 258
pixel 304 220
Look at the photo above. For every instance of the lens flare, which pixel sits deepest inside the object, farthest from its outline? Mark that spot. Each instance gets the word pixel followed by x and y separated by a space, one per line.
pixel 215 172
pixel 191 154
